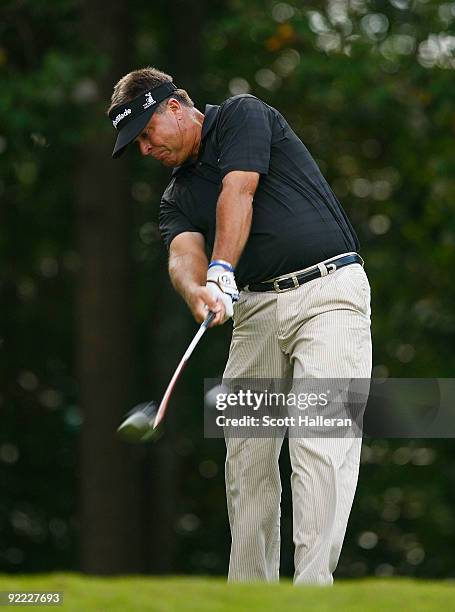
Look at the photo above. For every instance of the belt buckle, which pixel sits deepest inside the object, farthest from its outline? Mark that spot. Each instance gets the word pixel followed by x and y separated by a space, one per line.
pixel 277 287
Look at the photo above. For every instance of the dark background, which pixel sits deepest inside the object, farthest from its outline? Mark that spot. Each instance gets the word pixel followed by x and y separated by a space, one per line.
pixel 90 324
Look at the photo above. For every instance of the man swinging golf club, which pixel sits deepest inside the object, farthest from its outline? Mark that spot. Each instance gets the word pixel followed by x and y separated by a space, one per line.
pixel 284 265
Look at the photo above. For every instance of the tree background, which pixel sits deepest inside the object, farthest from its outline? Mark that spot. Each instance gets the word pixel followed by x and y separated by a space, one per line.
pixel 90 324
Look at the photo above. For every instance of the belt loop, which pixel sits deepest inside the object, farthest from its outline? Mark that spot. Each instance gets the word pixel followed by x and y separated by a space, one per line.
pixel 322 269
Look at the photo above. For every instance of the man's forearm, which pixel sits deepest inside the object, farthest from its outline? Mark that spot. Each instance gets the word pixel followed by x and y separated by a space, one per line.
pixel 188 271
pixel 233 223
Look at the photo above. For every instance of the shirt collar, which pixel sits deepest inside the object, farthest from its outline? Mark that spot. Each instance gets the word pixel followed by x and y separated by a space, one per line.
pixel 210 114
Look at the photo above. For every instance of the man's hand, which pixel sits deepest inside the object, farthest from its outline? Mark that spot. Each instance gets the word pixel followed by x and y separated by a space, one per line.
pixel 218 295
pixel 221 282
pixel 189 268
pixel 201 301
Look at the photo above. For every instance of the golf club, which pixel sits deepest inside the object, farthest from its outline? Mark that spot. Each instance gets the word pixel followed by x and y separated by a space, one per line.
pixel 142 421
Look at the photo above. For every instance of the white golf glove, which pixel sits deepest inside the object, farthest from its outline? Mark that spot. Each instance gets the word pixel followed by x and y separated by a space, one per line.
pixel 221 282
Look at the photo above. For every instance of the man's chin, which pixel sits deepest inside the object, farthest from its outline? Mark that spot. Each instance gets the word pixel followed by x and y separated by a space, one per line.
pixel 172 162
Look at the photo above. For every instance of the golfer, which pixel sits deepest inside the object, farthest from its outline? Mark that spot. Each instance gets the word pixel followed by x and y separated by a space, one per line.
pixel 283 263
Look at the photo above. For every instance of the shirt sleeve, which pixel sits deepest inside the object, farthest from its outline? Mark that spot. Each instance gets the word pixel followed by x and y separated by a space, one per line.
pixel 172 219
pixel 244 135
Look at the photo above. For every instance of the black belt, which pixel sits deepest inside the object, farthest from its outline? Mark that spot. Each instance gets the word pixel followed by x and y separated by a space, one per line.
pixel 295 280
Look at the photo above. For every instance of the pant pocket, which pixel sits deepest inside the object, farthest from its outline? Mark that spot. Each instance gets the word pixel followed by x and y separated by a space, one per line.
pixel 353 286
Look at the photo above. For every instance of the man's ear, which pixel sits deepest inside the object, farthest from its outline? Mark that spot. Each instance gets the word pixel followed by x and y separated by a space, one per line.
pixel 174 106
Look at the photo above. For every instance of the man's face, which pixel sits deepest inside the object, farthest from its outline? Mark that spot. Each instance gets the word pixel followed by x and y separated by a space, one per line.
pixel 165 137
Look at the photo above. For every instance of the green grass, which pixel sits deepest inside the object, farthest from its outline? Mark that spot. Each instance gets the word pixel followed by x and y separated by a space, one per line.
pixel 184 594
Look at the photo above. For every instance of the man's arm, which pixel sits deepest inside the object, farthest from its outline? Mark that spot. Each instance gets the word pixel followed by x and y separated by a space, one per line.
pixel 188 272
pixel 233 215
pixel 187 259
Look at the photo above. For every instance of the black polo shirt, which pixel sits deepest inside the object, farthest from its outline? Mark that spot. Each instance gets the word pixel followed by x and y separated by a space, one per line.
pixel 297 219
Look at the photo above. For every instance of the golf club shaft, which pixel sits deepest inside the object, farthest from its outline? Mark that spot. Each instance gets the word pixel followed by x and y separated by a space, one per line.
pixel 181 365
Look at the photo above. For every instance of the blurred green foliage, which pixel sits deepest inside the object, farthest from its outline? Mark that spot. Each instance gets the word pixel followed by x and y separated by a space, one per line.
pixel 368 85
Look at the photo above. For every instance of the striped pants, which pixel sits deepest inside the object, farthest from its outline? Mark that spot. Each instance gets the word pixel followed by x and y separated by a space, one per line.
pixel 318 330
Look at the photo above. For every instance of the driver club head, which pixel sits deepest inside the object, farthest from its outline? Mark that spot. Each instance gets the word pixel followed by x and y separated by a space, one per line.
pixel 138 424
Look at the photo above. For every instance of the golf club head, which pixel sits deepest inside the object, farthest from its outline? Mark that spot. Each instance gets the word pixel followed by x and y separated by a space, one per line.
pixel 138 424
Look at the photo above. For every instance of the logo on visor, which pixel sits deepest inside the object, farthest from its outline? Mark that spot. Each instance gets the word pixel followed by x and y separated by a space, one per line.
pixel 121 116
pixel 148 100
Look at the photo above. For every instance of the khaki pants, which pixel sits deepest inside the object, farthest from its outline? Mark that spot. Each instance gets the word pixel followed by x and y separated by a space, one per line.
pixel 318 330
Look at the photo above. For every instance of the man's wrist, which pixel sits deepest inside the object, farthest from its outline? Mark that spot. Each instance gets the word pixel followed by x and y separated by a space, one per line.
pixel 223 263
